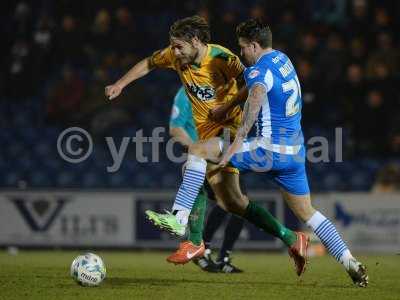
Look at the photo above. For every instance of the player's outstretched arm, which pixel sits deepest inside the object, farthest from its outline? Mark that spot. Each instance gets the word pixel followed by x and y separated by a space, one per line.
pixel 139 70
pixel 257 96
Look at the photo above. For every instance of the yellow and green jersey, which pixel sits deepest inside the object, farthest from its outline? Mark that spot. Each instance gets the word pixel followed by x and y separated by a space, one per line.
pixel 209 84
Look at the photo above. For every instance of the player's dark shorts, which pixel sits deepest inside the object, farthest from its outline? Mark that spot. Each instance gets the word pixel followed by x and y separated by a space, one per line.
pixel 285 165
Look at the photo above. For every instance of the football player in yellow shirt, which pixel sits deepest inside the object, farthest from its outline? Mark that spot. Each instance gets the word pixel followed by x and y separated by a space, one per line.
pixel 211 75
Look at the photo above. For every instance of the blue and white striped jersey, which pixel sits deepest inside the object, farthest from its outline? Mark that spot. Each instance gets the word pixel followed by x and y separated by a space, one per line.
pixel 280 115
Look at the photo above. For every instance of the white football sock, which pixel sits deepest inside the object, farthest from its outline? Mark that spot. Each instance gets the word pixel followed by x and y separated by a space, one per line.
pixel 182 216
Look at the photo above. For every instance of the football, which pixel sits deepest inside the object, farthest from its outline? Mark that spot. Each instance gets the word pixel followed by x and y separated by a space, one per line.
pixel 88 269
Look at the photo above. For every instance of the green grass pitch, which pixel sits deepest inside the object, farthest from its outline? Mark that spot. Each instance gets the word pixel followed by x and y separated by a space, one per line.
pixel 146 275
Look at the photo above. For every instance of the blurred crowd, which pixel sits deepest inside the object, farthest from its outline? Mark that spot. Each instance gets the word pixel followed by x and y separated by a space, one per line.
pixel 62 53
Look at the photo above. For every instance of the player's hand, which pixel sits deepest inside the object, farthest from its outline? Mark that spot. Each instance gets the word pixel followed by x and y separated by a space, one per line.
pixel 219 113
pixel 225 159
pixel 223 163
pixel 232 149
pixel 113 91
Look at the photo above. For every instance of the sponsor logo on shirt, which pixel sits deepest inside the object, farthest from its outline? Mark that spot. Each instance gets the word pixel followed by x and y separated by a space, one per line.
pixel 254 74
pixel 203 93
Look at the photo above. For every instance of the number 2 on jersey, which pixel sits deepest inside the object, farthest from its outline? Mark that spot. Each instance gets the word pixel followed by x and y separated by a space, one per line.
pixel 292 103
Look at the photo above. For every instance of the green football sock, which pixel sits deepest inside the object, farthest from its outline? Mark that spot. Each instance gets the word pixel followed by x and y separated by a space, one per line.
pixel 196 219
pixel 261 218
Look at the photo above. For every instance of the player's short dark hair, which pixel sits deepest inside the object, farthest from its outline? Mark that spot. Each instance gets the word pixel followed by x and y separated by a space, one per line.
pixel 191 27
pixel 254 30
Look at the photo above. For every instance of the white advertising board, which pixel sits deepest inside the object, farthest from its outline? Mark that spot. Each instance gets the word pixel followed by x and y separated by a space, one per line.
pixel 66 219
pixel 368 222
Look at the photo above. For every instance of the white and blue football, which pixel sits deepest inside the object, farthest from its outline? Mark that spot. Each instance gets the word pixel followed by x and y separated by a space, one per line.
pixel 88 269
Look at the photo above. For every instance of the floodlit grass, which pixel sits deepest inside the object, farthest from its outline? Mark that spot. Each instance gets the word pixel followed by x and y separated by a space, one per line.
pixel 146 275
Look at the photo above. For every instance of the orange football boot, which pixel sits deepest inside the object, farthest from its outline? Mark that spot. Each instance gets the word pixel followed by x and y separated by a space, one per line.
pixel 186 252
pixel 298 251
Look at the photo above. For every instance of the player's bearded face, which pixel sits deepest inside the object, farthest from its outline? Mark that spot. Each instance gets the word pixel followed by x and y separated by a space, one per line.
pixel 247 52
pixel 184 51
